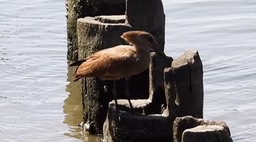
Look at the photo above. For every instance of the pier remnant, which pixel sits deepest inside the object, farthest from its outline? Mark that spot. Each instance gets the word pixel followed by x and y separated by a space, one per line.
pixel 82 8
pixel 192 129
pixel 147 15
pixel 98 32
pixel 161 108
pixel 184 85
pixel 94 35
pixel 161 96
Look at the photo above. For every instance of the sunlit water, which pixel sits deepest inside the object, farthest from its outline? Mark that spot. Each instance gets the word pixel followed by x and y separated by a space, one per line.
pixel 38 103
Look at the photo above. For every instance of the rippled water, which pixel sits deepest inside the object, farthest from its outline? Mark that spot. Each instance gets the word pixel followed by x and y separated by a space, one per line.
pixel 224 32
pixel 38 103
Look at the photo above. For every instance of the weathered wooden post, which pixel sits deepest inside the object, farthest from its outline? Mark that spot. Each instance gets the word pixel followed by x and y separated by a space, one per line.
pixel 192 129
pixel 184 95
pixel 206 133
pixel 183 82
pixel 184 85
pixel 147 15
pixel 81 8
pixel 94 35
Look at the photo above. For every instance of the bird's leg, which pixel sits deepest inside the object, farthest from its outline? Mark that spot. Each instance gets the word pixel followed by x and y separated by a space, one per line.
pixel 114 94
pixel 128 93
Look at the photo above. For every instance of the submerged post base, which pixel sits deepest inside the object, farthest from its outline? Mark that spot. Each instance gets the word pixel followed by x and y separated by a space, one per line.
pixel 206 133
pixel 124 126
pixel 191 129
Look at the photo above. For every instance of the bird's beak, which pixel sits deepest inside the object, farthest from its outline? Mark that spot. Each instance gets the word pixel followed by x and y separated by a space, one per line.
pixel 155 47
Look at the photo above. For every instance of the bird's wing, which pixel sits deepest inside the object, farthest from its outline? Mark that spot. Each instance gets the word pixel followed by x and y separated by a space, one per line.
pixel 112 62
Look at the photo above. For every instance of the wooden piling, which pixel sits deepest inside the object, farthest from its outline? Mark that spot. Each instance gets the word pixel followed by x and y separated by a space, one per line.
pixel 192 129
pixel 81 8
pixel 206 133
pixel 147 15
pixel 184 85
pixel 94 35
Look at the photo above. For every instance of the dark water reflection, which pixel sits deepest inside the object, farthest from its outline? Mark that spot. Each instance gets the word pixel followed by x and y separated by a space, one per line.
pixel 73 110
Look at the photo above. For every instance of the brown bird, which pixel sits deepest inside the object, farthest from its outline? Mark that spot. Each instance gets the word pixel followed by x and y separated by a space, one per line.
pixel 120 61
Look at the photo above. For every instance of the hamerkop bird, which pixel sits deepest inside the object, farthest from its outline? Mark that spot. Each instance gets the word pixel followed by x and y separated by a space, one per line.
pixel 120 61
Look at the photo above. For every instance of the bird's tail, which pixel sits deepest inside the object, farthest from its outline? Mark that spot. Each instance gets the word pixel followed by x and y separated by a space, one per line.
pixel 77 63
pixel 76 78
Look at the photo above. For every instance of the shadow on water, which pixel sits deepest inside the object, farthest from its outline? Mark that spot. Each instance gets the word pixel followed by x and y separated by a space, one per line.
pixel 73 111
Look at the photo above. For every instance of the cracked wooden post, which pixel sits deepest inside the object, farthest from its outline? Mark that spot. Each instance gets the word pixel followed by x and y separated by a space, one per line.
pixel 192 129
pixel 206 133
pixel 94 35
pixel 184 86
pixel 81 8
pixel 147 15
pixel 185 95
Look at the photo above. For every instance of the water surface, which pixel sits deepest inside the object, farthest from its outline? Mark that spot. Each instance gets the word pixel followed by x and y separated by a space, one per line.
pixel 224 32
pixel 38 103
